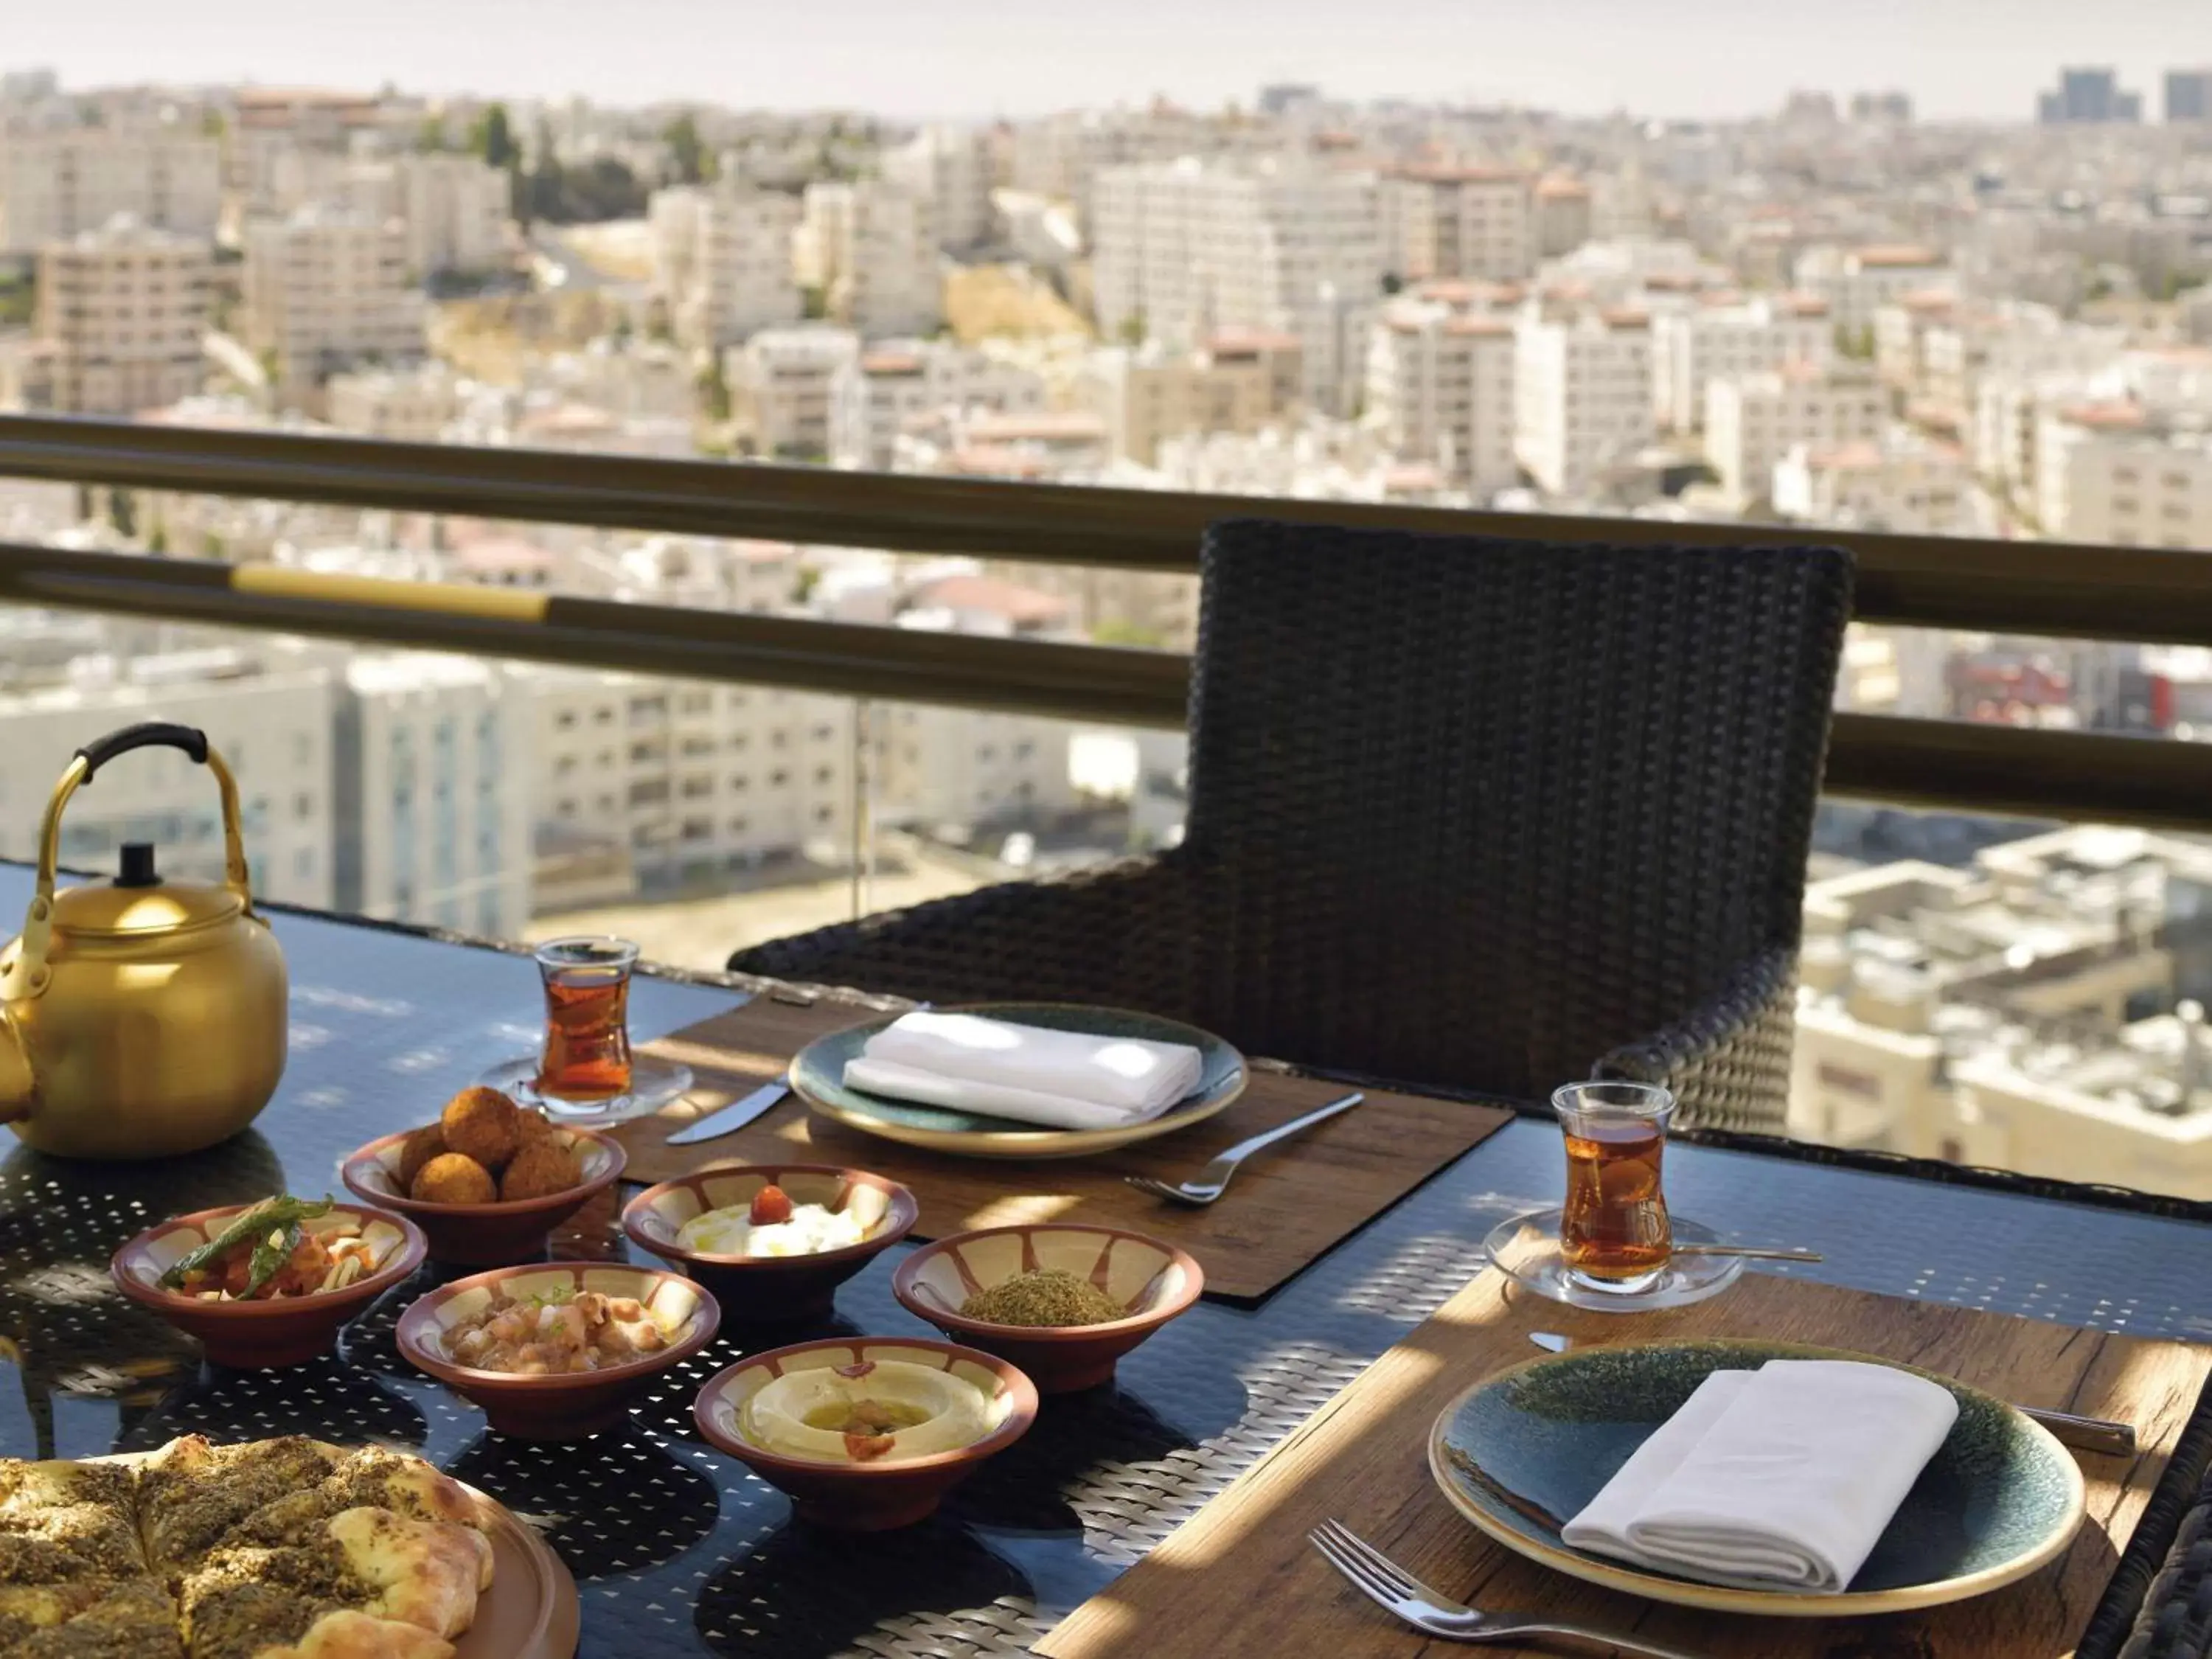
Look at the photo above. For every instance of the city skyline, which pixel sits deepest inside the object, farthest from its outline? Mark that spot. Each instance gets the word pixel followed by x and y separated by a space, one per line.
pixel 1715 59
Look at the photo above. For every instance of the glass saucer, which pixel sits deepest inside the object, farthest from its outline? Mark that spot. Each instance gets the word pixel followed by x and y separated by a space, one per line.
pixel 653 1085
pixel 1526 1249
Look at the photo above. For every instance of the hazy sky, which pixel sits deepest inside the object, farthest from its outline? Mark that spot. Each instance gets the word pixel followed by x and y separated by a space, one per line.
pixel 1683 58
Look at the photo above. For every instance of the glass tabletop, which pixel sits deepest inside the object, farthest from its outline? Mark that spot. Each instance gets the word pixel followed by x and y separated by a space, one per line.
pixel 676 1549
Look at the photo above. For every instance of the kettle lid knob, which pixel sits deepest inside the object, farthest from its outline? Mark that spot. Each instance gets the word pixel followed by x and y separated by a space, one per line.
pixel 138 865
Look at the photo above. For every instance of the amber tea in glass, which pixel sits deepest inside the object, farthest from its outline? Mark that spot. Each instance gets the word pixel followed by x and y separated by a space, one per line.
pixel 586 1055
pixel 1613 1232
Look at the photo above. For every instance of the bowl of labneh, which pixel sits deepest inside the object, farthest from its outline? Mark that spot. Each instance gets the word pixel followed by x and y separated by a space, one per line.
pixel 554 1351
pixel 1061 1300
pixel 772 1241
pixel 866 1434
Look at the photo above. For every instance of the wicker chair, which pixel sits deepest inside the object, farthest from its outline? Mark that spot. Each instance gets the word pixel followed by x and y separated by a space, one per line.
pixel 1473 815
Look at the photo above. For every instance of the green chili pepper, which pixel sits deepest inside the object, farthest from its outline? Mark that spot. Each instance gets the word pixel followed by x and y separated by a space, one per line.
pixel 263 1217
pixel 271 1253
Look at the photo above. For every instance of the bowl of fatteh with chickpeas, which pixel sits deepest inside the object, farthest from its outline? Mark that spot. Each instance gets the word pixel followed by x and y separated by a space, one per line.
pixel 554 1351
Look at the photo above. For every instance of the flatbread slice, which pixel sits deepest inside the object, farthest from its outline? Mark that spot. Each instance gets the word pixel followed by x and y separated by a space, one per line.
pixel 192 1494
pixel 134 1619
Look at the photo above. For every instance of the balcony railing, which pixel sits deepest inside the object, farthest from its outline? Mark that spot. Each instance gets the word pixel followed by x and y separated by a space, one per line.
pixel 2125 594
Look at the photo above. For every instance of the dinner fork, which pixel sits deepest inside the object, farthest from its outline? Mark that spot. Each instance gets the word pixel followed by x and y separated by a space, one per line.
pixel 1388 1585
pixel 1212 1181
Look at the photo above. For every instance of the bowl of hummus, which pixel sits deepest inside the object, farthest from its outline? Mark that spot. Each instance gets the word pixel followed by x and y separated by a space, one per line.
pixel 866 1434
pixel 772 1241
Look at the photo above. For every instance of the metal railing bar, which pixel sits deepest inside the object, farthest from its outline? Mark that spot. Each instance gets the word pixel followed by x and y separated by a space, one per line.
pixel 2154 595
pixel 1956 765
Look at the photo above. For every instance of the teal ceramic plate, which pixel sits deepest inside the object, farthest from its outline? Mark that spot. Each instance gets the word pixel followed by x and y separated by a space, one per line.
pixel 1521 1452
pixel 817 1074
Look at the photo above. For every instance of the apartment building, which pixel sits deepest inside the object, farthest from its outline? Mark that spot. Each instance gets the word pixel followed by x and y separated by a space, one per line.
pixel 722 262
pixel 1902 331
pixel 56 184
pixel 1898 483
pixel 432 827
pixel 1752 420
pixel 1858 281
pixel 270 721
pixel 1187 248
pixel 2058 425
pixel 456 211
pixel 2145 487
pixel 1440 383
pixel 1560 208
pixel 1149 392
pixel 410 404
pixel 890 384
pixel 951 169
pixel 123 308
pixel 875 247
pixel 1450 220
pixel 1691 348
pixel 781 382
pixel 690 780
pixel 324 289
pixel 1581 395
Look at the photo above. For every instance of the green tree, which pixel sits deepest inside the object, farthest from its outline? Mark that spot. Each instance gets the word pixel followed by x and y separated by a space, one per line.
pixel 1132 331
pixel 122 511
pixel 212 546
pixel 687 152
pixel 713 389
pixel 430 137
pixel 157 540
pixel 493 137
pixel 1119 631
pixel 813 301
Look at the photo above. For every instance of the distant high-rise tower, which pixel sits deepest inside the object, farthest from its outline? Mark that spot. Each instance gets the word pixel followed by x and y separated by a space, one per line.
pixel 2091 95
pixel 2189 95
pixel 1895 107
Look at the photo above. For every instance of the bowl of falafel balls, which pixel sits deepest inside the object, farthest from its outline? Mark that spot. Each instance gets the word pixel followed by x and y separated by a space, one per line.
pixel 489 1181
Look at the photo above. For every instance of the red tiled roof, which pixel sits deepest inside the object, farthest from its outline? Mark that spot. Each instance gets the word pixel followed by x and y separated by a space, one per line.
pixel 1019 606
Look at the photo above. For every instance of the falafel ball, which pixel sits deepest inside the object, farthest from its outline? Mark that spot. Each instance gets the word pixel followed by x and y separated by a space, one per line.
pixel 452 1178
pixel 419 1148
pixel 544 1166
pixel 481 1122
pixel 530 1125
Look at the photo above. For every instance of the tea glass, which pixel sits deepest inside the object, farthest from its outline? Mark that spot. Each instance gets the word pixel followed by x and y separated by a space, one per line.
pixel 1614 1235
pixel 586 1057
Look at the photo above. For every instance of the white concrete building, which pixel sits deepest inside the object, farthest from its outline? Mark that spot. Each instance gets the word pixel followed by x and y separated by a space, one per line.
pixel 722 261
pixel 1581 395
pixel 1561 211
pixel 57 183
pixel 124 308
pixel 1187 249
pixel 1910 487
pixel 323 290
pixel 433 826
pixel 779 384
pixel 272 725
pixel 1858 281
pixel 456 212
pixel 1450 221
pixel 1150 393
pixel 410 404
pixel 1752 420
pixel 2148 488
pixel 874 396
pixel 951 168
pixel 690 779
pixel 875 245
pixel 1690 347
pixel 1441 384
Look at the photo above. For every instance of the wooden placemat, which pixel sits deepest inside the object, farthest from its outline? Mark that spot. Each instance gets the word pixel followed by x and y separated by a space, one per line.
pixel 1289 1205
pixel 1362 1458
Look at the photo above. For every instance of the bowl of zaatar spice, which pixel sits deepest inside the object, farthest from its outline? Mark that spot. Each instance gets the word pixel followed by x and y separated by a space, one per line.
pixel 1062 1301
pixel 268 1284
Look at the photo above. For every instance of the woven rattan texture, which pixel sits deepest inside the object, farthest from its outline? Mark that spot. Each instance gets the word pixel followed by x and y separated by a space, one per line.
pixel 1463 811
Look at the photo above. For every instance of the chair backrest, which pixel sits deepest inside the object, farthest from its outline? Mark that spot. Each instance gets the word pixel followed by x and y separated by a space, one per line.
pixel 1473 811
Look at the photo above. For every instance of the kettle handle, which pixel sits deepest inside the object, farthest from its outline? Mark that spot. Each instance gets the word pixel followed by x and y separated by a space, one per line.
pixel 27 973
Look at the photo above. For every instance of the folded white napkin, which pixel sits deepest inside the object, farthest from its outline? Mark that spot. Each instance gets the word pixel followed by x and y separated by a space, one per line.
pixel 1778 1479
pixel 1063 1079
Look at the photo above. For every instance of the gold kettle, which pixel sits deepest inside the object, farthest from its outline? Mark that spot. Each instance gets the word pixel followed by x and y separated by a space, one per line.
pixel 141 1018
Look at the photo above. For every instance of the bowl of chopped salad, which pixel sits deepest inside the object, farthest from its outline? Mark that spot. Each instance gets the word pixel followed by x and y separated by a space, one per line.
pixel 271 1283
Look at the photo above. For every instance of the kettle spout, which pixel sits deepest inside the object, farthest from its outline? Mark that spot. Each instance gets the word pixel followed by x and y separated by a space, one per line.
pixel 18 1086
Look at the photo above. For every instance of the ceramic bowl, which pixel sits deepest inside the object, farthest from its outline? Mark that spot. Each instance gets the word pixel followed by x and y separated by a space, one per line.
pixel 866 1496
pixel 571 1405
pixel 1154 1281
pixel 252 1335
pixel 762 1290
pixel 485 1235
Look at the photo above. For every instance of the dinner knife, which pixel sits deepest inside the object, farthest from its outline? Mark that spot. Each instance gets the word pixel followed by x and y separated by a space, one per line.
pixel 2092 1434
pixel 733 1116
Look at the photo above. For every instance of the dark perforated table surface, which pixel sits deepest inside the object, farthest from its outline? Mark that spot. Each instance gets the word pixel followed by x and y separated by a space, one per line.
pixel 676 1549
